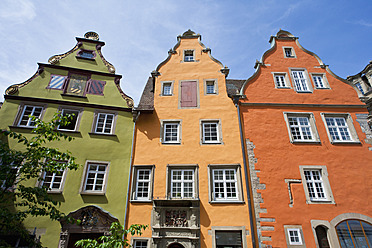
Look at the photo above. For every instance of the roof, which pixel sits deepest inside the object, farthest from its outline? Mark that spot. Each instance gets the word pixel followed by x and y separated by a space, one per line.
pixel 146 102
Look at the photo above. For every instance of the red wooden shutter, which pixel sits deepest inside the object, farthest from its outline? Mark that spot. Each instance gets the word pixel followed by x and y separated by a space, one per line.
pixel 188 94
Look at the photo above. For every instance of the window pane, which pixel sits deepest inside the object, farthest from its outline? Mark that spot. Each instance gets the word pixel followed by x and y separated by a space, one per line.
pixel 228 239
pixel 74 114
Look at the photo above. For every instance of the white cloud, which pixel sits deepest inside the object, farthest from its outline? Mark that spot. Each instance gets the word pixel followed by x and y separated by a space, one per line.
pixel 17 10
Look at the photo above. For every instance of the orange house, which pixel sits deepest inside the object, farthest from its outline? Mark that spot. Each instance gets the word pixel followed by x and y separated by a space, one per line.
pixel 305 132
pixel 188 179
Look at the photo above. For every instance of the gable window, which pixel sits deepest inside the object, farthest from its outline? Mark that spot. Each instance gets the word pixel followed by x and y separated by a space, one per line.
pixel 320 81
pixel 188 56
pixel 77 84
pixel 25 119
pixel 188 94
pixel 142 182
pixel 340 128
pixel 354 233
pixel 300 81
pixel 289 52
pixel 281 80
pixel 166 89
pixel 210 87
pixel 316 184
pixel 73 120
pixel 86 54
pixel 211 132
pixel 95 178
pixel 95 87
pixel 301 127
pixel 104 123
pixel 53 181
pixel 57 82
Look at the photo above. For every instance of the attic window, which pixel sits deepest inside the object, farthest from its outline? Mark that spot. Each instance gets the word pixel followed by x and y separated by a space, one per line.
pixel 188 56
pixel 289 52
pixel 86 54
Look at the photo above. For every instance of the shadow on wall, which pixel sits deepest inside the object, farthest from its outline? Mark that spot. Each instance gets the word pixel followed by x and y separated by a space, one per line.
pixel 149 125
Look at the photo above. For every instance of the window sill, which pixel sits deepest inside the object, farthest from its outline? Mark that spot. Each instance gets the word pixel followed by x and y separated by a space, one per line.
pixel 166 95
pixel 22 127
pixel 65 94
pixel 140 201
pixel 92 193
pixel 320 202
pixel 102 134
pixel 323 88
pixel 67 131
pixel 90 59
pixel 345 142
pixel 305 142
pixel 304 92
pixel 226 202
pixel 214 143
pixel 171 143
pixel 55 192
pixel 283 87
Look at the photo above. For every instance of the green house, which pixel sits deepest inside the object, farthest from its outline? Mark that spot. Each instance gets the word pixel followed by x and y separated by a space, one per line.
pixel 80 82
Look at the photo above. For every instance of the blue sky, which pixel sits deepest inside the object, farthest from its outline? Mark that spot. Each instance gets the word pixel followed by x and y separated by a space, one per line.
pixel 138 33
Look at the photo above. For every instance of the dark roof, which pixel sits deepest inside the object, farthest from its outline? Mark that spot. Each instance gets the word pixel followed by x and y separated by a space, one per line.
pixel 233 86
pixel 146 103
pixel 147 98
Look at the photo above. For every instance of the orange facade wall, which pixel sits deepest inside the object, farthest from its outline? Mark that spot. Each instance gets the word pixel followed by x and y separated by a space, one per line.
pixel 150 151
pixel 348 165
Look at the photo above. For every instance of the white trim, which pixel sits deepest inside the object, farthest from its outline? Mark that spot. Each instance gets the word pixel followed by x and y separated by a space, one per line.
pixel 79 112
pixel 190 58
pixel 349 127
pixel 292 55
pixel 216 136
pixel 323 78
pixel 312 125
pixel 83 189
pixel 285 78
pixel 163 83
pixel 302 79
pixel 163 129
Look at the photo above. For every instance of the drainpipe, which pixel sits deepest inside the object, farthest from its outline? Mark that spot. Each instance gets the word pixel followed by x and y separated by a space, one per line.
pixel 246 169
pixel 130 168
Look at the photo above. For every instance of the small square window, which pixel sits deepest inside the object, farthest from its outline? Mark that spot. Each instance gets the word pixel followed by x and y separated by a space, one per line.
pixel 340 128
pixel 73 121
pixel 96 87
pixel 142 183
pixel 104 123
pixel 300 81
pixel 166 89
pixel 86 54
pixel 188 56
pixel 320 81
pixel 171 132
pixel 57 82
pixel 301 127
pixel 211 132
pixel 210 87
pixel 289 52
pixel 140 243
pixel 281 80
pixel 27 111
pixel 77 84
pixel 53 181
pixel 95 178
pixel 294 236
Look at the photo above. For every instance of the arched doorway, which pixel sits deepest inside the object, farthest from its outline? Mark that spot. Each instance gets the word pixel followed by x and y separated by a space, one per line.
pixel 176 245
pixel 321 235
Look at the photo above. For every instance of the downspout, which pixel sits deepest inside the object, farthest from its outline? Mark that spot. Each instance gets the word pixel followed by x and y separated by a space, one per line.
pixel 246 169
pixel 130 168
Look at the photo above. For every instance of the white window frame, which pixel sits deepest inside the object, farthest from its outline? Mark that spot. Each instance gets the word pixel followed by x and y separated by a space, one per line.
pixel 163 85
pixel 322 76
pixel 237 180
pixel 183 182
pixel 135 182
pixel 87 170
pixel 140 239
pixel 293 54
pixel 328 196
pixel 284 75
pixel 62 183
pixel 21 113
pixel 302 82
pixel 349 127
pixel 298 229
pixel 78 117
pixel 195 172
pixel 218 133
pixel 188 58
pixel 97 115
pixel 164 124
pixel 209 82
pixel 312 126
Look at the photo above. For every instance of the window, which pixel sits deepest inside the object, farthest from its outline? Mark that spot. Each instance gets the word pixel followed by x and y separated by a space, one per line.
pixel 104 123
pixel 8 177
pixel 189 92
pixel 77 84
pixel 95 178
pixel 300 81
pixel 170 131
pixel 210 87
pixel 354 233
pixel 320 81
pixel 340 128
pixel 359 86
pixel 211 133
pixel 289 52
pixel 28 111
pixel 53 181
pixel 281 80
pixel 188 55
pixel 86 54
pixel 301 127
pixel 73 120
pixel 167 89
pixel 316 184
pixel 140 243
pixel 229 237
pixel 95 87
pixel 142 183
pixel 57 82
pixel 182 181
pixel 294 236
pixel 321 236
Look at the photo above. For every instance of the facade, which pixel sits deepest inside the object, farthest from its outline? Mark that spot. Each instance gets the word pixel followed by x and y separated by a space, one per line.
pixel 308 150
pixel 188 178
pixel 83 83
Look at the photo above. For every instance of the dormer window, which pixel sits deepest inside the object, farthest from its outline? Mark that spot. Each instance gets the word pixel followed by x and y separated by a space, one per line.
pixel 289 52
pixel 86 54
pixel 188 56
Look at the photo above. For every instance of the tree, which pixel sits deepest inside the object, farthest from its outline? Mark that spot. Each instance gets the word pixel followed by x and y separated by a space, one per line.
pixel 17 166
pixel 116 239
